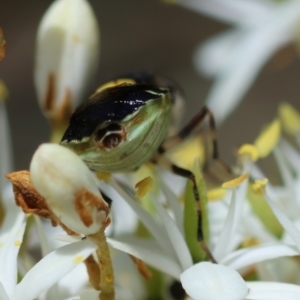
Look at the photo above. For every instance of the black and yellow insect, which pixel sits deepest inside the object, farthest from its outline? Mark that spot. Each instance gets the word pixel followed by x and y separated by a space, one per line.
pixel 127 122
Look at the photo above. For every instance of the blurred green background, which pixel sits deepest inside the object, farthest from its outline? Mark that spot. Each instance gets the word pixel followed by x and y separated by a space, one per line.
pixel 139 35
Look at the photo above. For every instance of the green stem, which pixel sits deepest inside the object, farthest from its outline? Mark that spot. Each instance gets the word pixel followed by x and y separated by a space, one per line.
pixel 106 283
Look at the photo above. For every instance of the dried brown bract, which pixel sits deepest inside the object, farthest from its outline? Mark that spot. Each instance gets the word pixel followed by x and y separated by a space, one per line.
pixel 2 45
pixel 31 202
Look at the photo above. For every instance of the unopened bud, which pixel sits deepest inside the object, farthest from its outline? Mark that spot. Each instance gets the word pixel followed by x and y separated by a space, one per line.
pixel 69 188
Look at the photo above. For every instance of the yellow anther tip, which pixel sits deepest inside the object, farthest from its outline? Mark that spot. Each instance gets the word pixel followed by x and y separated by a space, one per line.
pixel 268 139
pixel 216 194
pixel 290 118
pixel 17 243
pixel 235 182
pixel 144 186
pixel 104 176
pixel 249 150
pixel 259 185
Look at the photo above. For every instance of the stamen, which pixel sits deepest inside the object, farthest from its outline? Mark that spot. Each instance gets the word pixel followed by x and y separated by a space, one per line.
pixel 144 186
pixel 216 194
pixel 290 118
pixel 259 186
pixel 268 139
pixel 235 182
pixel 104 176
pixel 249 150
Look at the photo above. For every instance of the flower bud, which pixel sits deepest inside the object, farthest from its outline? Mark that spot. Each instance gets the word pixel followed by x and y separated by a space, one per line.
pixel 67 50
pixel 69 188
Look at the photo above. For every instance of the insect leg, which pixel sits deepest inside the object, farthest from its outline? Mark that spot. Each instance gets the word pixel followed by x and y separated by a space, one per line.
pixel 191 128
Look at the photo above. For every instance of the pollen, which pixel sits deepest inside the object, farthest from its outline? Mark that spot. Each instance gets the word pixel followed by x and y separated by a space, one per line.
pixel 249 150
pixel 216 194
pixel 290 118
pixel 235 182
pixel 144 186
pixel 78 259
pixel 259 186
pixel 250 241
pixel 18 243
pixel 104 176
pixel 268 139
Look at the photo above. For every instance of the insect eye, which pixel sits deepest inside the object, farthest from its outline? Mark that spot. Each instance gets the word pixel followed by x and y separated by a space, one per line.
pixel 112 140
pixel 110 136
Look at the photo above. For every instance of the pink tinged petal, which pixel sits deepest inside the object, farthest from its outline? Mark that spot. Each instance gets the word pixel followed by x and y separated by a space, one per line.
pixel 286 223
pixel 175 236
pixel 207 281
pixel 52 268
pixel 150 252
pixel 246 257
pixel 158 232
pixel 11 237
pixel 273 290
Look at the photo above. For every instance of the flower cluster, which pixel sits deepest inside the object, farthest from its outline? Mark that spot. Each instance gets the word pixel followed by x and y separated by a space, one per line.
pixel 90 248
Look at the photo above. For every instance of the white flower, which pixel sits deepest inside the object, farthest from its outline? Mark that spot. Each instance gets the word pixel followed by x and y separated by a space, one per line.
pixel 235 58
pixel 67 54
pixel 45 273
pixel 69 188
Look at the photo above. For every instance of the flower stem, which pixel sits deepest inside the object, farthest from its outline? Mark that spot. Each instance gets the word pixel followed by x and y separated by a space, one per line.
pixel 106 283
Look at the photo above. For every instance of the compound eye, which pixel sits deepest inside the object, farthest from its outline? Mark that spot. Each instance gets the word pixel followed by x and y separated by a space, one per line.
pixel 110 136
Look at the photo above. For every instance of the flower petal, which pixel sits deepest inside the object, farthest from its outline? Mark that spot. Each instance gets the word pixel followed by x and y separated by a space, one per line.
pixel 66 57
pixel 69 188
pixel 246 257
pixel 52 268
pixel 150 252
pixel 272 290
pixel 11 236
pixel 207 281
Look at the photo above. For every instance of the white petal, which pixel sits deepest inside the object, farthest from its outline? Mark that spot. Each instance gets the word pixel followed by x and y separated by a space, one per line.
pixel 211 56
pixel 3 295
pixel 286 223
pixel 11 237
pixel 6 164
pixel 207 281
pixel 242 68
pixel 158 232
pixel 45 247
pixel 246 11
pixel 246 257
pixel 175 236
pixel 59 175
pixel 150 252
pixel 51 268
pixel 272 290
pixel 68 50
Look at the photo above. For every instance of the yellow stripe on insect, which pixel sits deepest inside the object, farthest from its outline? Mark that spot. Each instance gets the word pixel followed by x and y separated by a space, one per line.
pixel 114 83
pixel 235 182
pixel 144 186
pixel 290 118
pixel 268 139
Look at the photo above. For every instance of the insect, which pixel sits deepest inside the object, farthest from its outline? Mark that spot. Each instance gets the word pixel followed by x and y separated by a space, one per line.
pixel 127 122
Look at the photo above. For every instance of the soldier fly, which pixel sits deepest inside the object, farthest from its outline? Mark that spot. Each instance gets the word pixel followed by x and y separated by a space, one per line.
pixel 127 122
